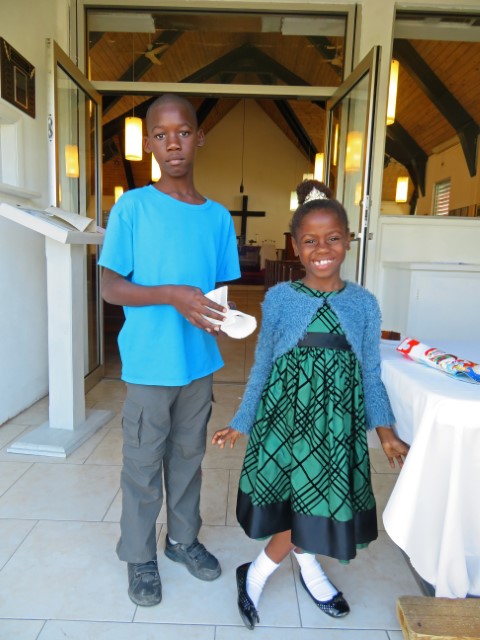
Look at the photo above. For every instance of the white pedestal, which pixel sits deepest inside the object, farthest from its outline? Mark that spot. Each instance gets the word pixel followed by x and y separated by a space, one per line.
pixel 69 424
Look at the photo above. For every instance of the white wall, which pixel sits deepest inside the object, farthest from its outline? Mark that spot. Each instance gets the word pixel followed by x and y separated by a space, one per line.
pixel 273 167
pixel 23 321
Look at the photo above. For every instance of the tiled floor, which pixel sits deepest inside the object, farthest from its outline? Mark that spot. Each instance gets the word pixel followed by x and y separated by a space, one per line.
pixel 60 578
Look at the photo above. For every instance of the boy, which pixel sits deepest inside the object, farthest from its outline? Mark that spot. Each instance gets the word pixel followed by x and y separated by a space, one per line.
pixel 164 246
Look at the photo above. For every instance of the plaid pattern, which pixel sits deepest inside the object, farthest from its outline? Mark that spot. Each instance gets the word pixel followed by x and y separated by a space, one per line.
pixel 308 447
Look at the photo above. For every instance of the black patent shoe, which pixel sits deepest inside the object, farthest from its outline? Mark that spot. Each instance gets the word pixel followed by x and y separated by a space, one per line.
pixel 337 607
pixel 144 584
pixel 246 608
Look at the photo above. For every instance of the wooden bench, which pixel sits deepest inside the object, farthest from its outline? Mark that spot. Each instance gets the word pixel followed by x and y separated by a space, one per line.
pixel 425 618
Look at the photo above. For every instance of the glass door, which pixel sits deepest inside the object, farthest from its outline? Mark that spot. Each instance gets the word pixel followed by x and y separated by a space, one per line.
pixel 349 144
pixel 74 134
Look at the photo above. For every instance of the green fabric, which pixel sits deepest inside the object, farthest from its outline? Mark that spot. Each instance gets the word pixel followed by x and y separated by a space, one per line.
pixel 308 444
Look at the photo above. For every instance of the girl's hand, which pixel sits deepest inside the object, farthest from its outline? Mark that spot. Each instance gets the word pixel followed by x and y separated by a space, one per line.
pixel 394 448
pixel 221 436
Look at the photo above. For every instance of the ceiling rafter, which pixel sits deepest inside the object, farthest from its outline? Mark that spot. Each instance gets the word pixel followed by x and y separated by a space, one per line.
pixel 242 59
pixel 400 145
pixel 451 109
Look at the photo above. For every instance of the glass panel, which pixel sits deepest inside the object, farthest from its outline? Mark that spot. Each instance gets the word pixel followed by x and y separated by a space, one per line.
pixel 219 47
pixel 347 158
pixel 434 134
pixel 77 187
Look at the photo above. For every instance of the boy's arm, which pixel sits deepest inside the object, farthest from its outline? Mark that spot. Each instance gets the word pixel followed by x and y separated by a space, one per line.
pixel 187 300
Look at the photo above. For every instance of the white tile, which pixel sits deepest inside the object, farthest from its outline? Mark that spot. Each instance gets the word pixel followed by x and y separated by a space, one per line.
pixel 20 629
pixel 232 498
pixel 12 534
pixel 382 484
pixel 371 583
pixel 395 635
pixel 10 472
pixel 36 414
pixel 61 492
pixel 109 449
pixel 67 570
pixel 64 630
pixel 214 495
pixel 108 390
pixel 10 432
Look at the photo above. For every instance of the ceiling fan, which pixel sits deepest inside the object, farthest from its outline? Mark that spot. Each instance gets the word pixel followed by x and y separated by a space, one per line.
pixel 152 52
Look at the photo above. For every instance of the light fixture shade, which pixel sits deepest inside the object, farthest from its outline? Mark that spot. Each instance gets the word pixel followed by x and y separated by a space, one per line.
pixel 307 176
pixel 401 194
pixel 133 138
pixel 118 191
pixel 293 201
pixel 319 167
pixel 71 161
pixel 353 155
pixel 392 92
pixel 156 171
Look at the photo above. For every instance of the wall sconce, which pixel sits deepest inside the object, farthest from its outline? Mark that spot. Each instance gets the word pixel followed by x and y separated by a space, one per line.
pixel 71 161
pixel 392 92
pixel 319 167
pixel 293 201
pixel 117 191
pixel 353 155
pixel 156 172
pixel 133 138
pixel 401 193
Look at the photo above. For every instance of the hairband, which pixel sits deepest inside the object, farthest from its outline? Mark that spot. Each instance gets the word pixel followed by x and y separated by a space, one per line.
pixel 315 194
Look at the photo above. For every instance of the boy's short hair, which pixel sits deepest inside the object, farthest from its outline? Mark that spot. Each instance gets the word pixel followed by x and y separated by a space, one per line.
pixel 168 98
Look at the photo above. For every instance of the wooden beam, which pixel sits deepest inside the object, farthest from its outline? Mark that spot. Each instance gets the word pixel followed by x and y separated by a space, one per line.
pixel 451 109
pixel 401 146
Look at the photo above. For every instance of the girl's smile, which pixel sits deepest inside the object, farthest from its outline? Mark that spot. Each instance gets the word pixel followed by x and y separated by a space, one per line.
pixel 321 243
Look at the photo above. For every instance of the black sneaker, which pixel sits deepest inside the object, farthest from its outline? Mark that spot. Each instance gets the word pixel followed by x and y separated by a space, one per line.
pixel 201 564
pixel 144 585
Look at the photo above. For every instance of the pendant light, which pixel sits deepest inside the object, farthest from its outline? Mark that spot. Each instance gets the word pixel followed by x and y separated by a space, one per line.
pixel 353 155
pixel 293 201
pixel 156 172
pixel 133 126
pixel 318 171
pixel 392 92
pixel 117 192
pixel 72 169
pixel 401 193
pixel 307 176
pixel 133 138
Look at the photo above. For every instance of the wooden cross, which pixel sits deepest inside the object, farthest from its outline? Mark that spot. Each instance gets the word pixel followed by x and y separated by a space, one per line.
pixel 245 215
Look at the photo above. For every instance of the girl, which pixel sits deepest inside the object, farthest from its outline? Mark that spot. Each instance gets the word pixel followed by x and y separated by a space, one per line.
pixel 313 391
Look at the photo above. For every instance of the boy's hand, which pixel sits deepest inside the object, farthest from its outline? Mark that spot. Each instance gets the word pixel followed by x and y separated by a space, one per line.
pixel 394 448
pixel 221 436
pixel 193 305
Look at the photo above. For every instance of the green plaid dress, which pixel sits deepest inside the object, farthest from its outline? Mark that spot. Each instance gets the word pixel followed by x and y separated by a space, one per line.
pixel 307 466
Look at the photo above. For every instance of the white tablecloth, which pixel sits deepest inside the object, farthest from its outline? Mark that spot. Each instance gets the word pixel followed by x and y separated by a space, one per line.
pixel 434 511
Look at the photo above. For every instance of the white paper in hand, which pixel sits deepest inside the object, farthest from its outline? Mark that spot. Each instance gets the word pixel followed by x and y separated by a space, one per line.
pixel 236 324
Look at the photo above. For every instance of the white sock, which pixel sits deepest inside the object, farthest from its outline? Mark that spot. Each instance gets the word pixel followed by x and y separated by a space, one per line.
pixel 314 577
pixel 258 573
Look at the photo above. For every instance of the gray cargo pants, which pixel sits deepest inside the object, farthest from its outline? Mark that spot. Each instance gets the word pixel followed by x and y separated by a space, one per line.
pixel 164 428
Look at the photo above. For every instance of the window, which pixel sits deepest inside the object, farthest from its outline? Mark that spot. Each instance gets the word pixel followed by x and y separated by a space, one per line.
pixel 441 198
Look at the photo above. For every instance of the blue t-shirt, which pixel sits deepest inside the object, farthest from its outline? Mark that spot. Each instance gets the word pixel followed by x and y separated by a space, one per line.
pixel 154 239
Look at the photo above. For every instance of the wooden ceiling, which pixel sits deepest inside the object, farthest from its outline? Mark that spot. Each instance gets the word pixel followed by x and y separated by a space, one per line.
pixel 438 92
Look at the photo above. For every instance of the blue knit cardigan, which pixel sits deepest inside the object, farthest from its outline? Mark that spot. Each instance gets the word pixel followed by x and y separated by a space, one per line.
pixel 286 314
